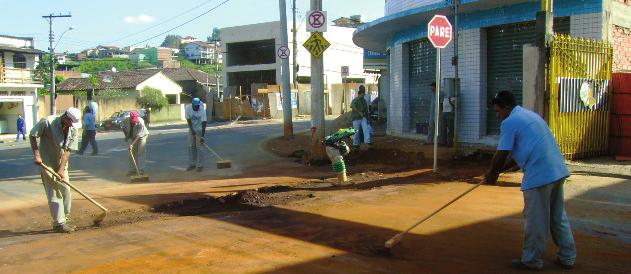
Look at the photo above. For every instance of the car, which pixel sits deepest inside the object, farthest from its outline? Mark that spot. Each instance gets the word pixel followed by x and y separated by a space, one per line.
pixel 115 121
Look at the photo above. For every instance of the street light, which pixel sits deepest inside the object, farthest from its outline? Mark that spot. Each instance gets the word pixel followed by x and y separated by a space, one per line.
pixel 62 35
pixel 53 95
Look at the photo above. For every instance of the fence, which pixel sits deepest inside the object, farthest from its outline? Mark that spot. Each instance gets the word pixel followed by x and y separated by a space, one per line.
pixel 579 103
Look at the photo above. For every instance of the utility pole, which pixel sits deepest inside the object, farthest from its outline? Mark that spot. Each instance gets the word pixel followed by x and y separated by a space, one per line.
pixel 51 39
pixel 295 48
pixel 288 124
pixel 456 75
pixel 217 50
pixel 317 99
pixel 543 36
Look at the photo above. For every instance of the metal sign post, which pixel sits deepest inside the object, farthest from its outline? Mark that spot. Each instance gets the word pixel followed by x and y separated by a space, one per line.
pixel 439 32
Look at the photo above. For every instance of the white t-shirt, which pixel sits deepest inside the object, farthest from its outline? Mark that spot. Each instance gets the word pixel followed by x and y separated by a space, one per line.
pixel 196 117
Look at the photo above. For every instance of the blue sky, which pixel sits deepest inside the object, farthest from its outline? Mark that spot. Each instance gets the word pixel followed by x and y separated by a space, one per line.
pixel 108 22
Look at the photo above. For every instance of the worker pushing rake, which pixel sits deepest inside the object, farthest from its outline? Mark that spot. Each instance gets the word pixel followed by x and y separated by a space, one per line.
pixel 136 134
pixel 58 135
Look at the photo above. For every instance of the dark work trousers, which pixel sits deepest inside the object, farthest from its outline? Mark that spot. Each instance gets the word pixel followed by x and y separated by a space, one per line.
pixel 89 136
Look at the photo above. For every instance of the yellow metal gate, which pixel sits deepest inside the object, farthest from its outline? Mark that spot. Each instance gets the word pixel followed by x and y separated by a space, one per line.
pixel 578 113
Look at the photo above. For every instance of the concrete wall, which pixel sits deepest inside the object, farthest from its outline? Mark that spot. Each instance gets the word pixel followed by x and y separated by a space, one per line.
pixel 173 112
pixel 108 105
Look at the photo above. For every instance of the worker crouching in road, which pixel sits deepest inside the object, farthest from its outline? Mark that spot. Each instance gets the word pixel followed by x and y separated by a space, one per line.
pixel 336 149
pixel 196 119
pixel 136 134
pixel 529 140
pixel 57 136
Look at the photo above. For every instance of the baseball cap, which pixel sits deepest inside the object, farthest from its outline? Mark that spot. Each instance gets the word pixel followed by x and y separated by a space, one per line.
pixel 196 102
pixel 75 115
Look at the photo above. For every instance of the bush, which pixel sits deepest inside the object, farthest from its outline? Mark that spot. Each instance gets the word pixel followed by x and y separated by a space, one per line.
pixel 152 98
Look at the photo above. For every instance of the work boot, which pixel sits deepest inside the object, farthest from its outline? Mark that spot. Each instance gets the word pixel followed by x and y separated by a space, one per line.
pixel 518 264
pixel 189 168
pixel 131 173
pixel 199 169
pixel 63 228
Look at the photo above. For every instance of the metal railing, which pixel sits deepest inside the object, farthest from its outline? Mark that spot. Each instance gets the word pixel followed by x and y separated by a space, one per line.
pixel 18 76
pixel 580 72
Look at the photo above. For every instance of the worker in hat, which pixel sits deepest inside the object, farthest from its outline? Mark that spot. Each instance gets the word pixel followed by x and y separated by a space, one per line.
pixel 136 134
pixel 196 119
pixel 57 136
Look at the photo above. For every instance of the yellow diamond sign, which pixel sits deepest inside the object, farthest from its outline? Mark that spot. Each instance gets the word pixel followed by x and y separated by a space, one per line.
pixel 316 44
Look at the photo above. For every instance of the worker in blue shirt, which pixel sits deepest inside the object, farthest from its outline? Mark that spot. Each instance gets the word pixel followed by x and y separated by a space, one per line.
pixel 529 141
pixel 89 131
pixel 21 126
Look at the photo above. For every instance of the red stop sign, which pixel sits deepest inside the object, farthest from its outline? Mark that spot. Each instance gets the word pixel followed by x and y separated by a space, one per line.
pixel 439 31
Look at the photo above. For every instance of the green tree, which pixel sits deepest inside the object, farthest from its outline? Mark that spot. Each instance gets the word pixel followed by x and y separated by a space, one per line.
pixel 42 71
pixel 152 98
pixel 94 66
pixel 216 35
pixel 172 41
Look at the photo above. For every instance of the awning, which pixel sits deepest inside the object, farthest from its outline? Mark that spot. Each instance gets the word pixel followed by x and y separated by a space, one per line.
pixel 377 34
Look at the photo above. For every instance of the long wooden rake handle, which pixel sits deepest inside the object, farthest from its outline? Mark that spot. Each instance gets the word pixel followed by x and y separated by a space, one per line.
pixel 397 238
pixel 213 152
pixel 73 187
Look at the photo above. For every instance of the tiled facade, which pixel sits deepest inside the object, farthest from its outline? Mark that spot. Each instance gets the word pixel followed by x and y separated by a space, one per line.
pixel 587 25
pixel 586 20
pixel 394 6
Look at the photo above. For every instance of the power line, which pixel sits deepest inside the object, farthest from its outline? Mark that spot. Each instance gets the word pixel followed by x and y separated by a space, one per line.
pixel 161 23
pixel 191 20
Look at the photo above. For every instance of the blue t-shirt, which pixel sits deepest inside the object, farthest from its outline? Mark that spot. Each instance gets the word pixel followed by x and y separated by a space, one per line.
pixel 20 123
pixel 89 122
pixel 533 147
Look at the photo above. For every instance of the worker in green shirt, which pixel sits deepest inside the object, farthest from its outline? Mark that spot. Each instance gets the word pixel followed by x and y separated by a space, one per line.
pixel 359 115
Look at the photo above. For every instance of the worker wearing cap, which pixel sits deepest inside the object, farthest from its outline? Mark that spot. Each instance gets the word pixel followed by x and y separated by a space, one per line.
pixel 529 140
pixel 57 136
pixel 196 119
pixel 136 134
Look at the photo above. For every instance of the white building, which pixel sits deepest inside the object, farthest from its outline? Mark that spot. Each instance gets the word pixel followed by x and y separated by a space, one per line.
pixel 251 55
pixel 60 58
pixel 18 85
pixel 188 39
pixel 200 52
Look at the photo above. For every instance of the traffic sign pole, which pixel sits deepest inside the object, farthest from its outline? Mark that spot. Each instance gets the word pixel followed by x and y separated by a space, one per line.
pixel 437 110
pixel 287 119
pixel 317 99
pixel 439 32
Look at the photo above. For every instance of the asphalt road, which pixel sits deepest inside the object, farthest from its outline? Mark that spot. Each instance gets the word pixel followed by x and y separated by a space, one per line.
pixel 167 159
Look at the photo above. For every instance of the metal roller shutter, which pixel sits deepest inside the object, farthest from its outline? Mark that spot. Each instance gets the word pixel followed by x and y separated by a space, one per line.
pixel 504 61
pixel 422 71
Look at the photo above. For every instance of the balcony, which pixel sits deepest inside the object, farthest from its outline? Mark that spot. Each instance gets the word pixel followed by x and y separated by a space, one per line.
pixel 18 76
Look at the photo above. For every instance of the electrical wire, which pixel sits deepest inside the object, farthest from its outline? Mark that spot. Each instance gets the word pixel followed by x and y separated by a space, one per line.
pixel 180 25
pixel 159 24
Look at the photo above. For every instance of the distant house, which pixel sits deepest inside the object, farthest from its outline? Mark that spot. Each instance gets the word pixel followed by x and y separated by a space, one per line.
pixel 18 83
pixel 187 39
pixel 60 58
pixel 130 81
pixel 108 52
pixel 200 52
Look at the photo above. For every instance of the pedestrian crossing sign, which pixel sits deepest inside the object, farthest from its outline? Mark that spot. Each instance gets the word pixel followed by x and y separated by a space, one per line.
pixel 316 44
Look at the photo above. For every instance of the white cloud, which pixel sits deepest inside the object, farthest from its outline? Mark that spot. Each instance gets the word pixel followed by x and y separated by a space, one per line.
pixel 139 19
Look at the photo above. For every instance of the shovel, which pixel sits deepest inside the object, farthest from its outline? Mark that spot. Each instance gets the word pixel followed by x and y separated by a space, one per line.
pixel 98 219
